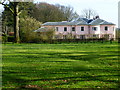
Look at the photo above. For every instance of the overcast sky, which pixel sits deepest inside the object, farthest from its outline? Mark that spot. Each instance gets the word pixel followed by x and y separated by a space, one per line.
pixel 107 9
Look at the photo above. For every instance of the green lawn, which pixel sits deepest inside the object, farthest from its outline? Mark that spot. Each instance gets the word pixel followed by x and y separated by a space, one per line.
pixel 82 65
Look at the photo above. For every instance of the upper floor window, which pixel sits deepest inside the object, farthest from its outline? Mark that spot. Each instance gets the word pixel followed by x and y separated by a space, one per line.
pixel 74 36
pixel 73 28
pixel 82 28
pixel 65 28
pixel 95 35
pixel 113 28
pixel 94 28
pixel 56 28
pixel 106 28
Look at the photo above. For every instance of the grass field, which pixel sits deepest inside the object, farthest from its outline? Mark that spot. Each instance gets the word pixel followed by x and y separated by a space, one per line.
pixel 82 65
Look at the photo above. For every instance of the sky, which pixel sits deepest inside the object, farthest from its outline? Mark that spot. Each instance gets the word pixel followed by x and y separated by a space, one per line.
pixel 107 9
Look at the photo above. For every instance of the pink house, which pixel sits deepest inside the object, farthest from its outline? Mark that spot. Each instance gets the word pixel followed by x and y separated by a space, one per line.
pixel 83 28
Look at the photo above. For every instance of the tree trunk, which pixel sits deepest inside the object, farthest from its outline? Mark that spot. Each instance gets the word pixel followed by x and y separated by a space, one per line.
pixel 16 23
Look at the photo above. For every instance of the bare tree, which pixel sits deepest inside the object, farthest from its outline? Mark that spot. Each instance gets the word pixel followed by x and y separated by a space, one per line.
pixel 89 13
pixel 68 12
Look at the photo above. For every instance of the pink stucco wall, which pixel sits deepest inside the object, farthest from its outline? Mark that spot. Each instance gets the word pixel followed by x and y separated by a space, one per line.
pixel 110 29
pixel 79 32
pixel 69 29
pixel 93 31
pixel 87 30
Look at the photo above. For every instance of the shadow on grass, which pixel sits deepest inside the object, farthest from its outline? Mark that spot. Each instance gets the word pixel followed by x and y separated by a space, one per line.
pixel 16 75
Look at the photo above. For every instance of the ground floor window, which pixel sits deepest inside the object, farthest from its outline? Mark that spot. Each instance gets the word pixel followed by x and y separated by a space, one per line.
pixel 106 36
pixel 64 36
pixel 74 36
pixel 82 36
pixel 57 36
pixel 95 35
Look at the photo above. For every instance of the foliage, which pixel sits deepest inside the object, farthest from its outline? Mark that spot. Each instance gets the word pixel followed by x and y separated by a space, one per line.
pixel 7 20
pixel 7 15
pixel 11 16
pixel 68 12
pixel 29 66
pixel 27 26
pixel 4 38
pixel 10 38
pixel 48 34
pixel 45 12
pixel 118 34
pixel 42 12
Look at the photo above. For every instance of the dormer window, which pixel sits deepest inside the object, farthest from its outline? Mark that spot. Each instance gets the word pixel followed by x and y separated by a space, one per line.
pixel 106 28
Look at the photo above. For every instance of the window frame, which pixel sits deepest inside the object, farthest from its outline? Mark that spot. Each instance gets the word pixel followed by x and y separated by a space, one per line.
pixel 94 28
pixel 105 28
pixel 57 29
pixel 82 29
pixel 65 29
pixel 95 35
pixel 73 29
pixel 82 36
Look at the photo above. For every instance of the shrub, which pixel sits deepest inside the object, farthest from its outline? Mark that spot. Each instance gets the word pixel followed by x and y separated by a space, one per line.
pixel 10 38
pixel 27 27
pixel 46 35
pixel 4 38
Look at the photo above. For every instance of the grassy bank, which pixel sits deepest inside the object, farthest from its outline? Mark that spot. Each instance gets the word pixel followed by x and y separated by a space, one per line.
pixel 83 65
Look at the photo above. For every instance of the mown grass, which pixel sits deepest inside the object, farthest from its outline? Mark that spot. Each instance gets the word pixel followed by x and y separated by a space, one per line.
pixel 82 65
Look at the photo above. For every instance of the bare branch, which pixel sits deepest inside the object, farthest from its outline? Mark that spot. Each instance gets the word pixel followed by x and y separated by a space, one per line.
pixel 3 3
pixel 89 13
pixel 20 12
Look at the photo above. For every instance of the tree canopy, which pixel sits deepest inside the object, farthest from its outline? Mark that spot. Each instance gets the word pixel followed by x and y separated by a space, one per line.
pixel 45 12
pixel 14 12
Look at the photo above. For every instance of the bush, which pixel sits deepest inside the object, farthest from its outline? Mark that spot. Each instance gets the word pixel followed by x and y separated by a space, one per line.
pixel 27 27
pixel 45 35
pixel 10 38
pixel 4 39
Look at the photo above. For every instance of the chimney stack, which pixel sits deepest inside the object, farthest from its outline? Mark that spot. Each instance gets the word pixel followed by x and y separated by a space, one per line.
pixel 97 17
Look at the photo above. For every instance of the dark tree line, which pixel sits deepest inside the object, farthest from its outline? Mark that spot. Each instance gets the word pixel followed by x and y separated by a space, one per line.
pixel 42 12
pixel 45 12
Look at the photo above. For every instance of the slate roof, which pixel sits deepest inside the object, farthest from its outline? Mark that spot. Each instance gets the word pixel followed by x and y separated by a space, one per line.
pixel 96 22
pixel 106 23
pixel 42 29
pixel 80 21
pixel 100 22
pixel 58 23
